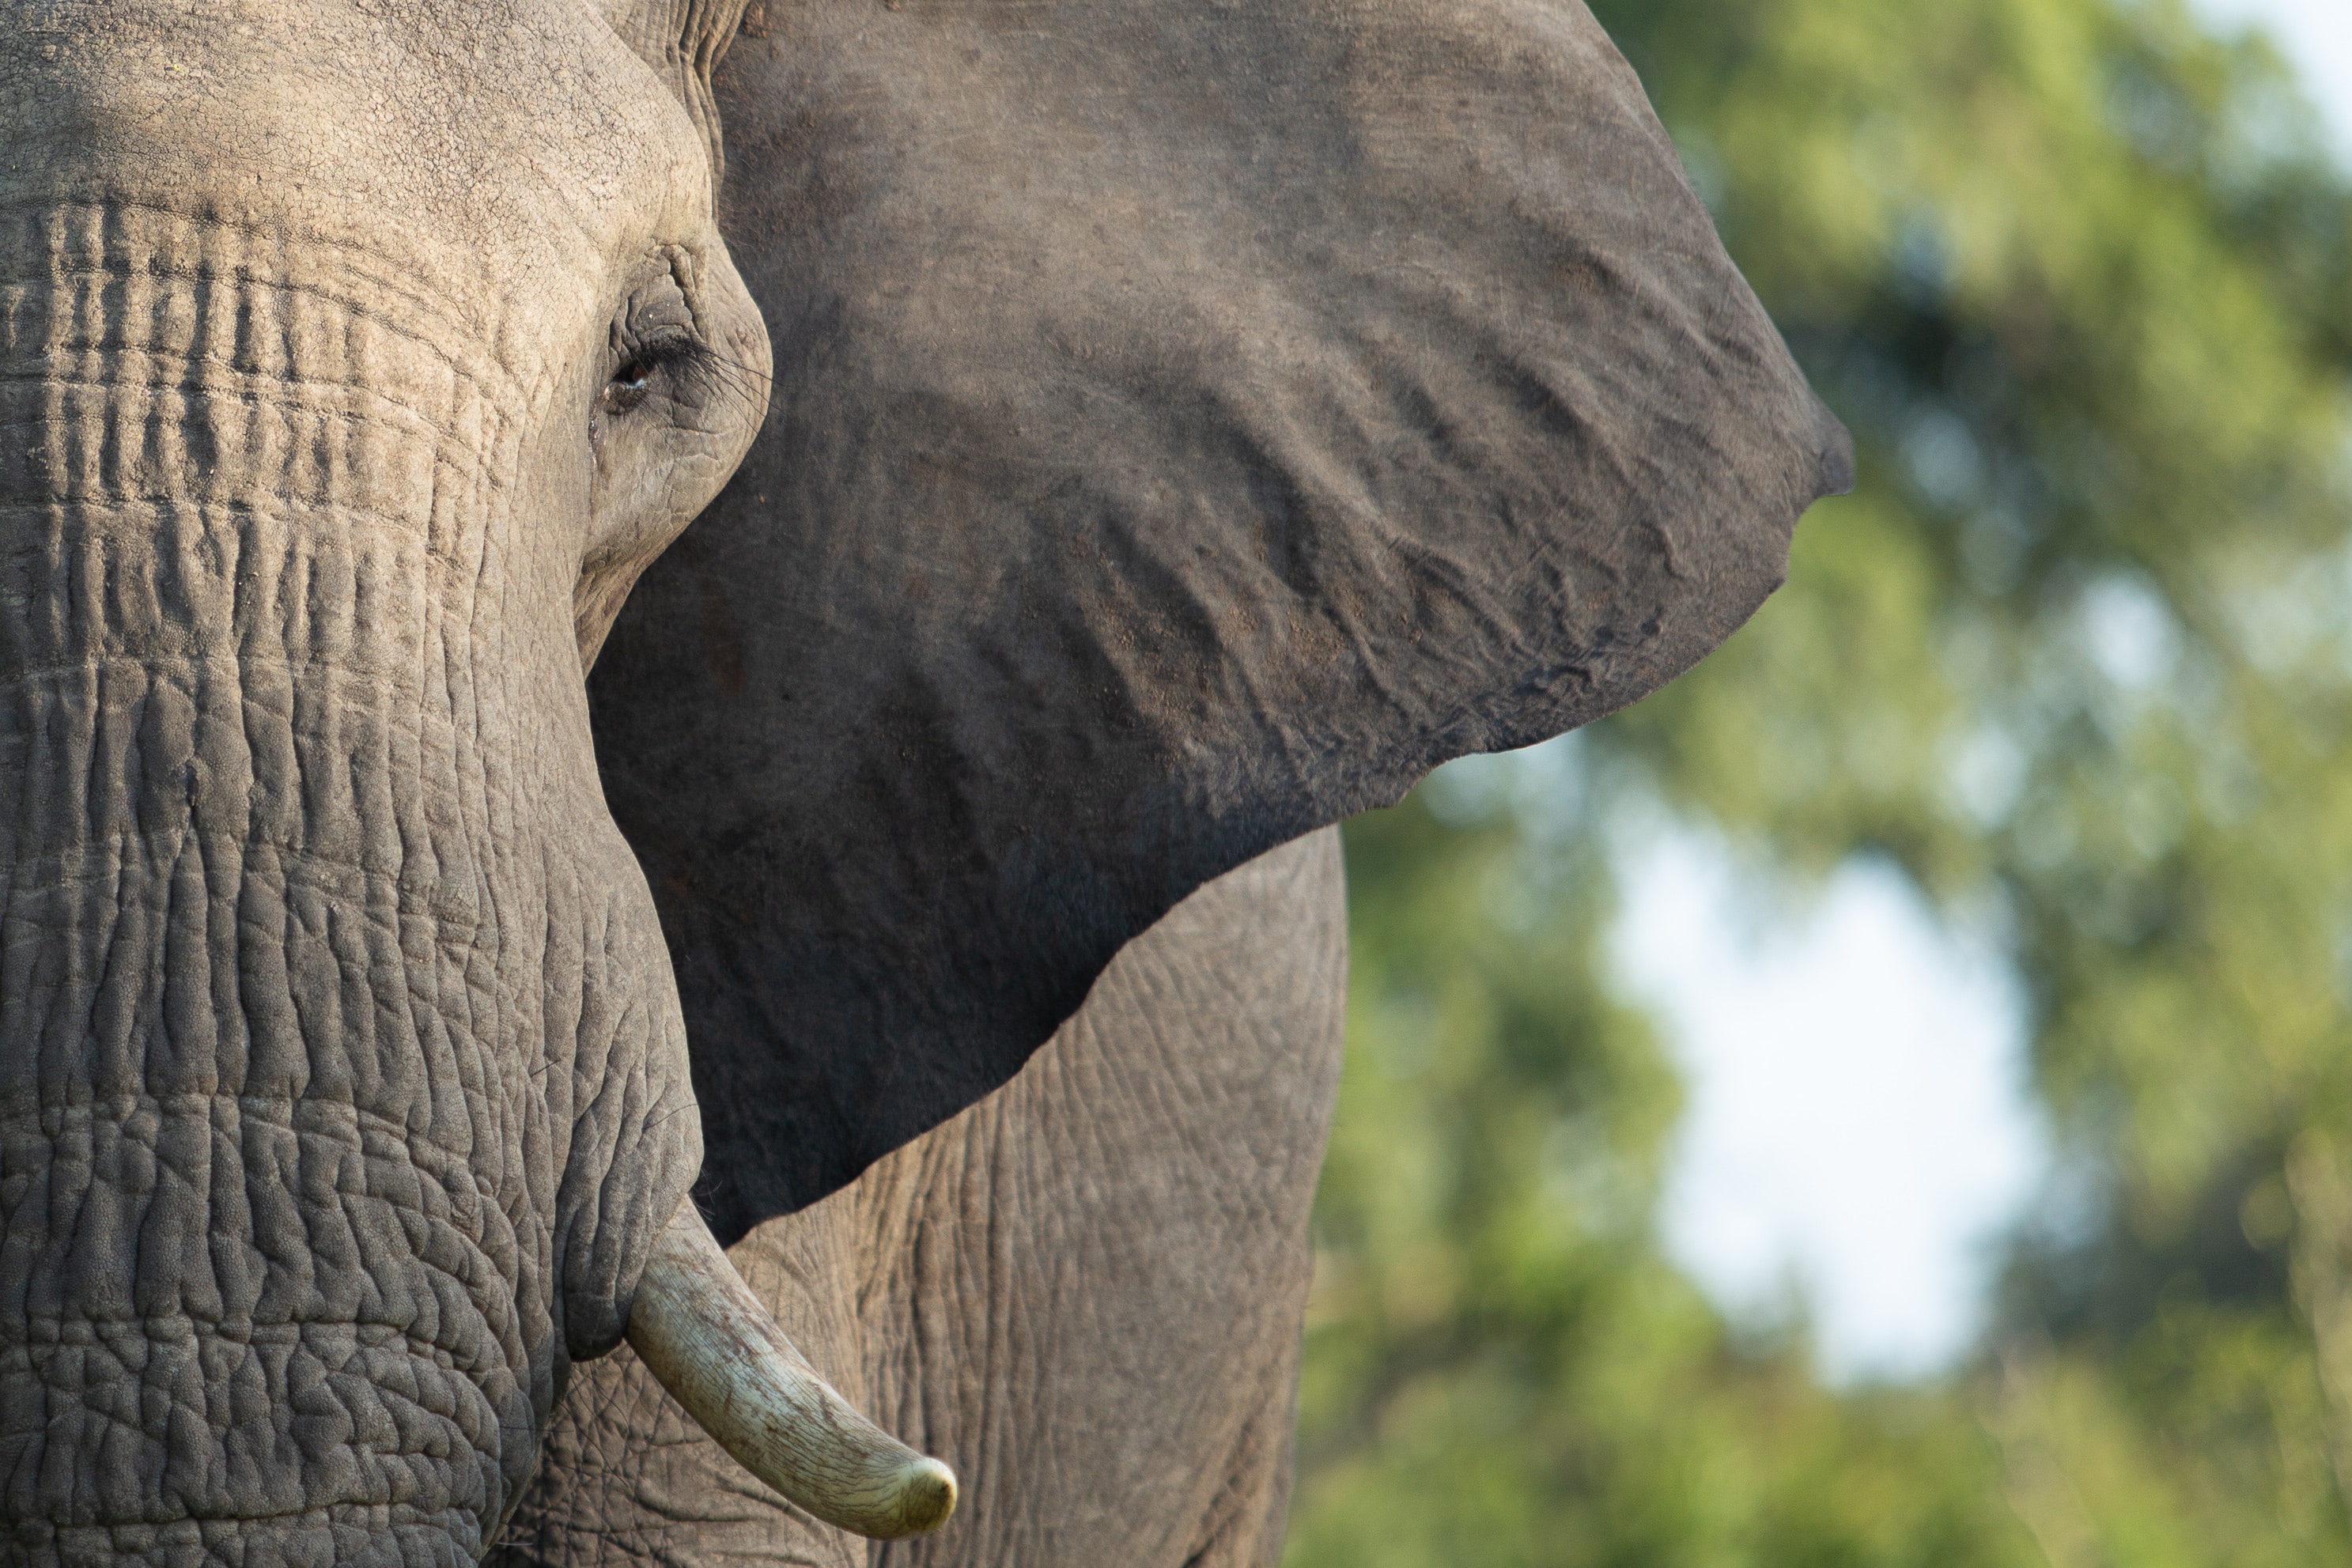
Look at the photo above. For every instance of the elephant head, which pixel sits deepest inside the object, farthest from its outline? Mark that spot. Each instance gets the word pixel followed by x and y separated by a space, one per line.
pixel 1187 425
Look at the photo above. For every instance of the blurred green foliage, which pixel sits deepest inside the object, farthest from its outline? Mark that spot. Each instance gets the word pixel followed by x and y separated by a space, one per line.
pixel 2077 656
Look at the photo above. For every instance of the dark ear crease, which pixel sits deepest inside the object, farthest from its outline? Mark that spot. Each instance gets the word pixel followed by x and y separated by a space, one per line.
pixel 1192 423
pixel 683 40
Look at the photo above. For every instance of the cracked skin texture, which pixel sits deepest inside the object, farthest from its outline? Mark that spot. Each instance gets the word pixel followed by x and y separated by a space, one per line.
pixel 1187 425
pixel 342 1079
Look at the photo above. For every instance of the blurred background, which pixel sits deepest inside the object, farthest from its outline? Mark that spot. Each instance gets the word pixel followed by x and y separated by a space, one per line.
pixel 1887 1099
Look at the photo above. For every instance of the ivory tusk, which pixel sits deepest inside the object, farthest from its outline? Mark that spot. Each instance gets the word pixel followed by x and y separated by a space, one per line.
pixel 699 1330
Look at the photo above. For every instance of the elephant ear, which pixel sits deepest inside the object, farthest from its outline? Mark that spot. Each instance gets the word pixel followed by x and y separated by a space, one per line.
pixel 1192 423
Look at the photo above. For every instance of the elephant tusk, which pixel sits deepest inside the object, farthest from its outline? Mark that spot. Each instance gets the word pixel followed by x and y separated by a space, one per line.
pixel 699 1330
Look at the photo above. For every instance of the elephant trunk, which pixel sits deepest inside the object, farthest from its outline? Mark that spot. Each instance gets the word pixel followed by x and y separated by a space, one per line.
pixel 342 1085
pixel 277 1251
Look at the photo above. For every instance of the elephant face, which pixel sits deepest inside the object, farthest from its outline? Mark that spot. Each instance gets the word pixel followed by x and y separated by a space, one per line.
pixel 353 360
pixel 1189 424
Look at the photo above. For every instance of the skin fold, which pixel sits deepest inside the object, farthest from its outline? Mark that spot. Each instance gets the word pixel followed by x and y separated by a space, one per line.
pixel 1123 442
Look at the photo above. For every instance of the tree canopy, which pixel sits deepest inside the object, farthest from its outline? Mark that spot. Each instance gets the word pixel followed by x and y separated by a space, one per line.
pixel 2074 656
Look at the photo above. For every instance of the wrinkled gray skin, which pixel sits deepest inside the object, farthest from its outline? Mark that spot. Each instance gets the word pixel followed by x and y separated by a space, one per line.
pixel 344 1080
pixel 1189 423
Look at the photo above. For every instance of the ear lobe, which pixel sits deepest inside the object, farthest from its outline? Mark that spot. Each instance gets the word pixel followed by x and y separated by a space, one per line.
pixel 1192 424
pixel 682 40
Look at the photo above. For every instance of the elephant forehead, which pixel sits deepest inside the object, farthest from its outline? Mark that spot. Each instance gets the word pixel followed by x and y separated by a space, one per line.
pixel 522 139
pixel 144 354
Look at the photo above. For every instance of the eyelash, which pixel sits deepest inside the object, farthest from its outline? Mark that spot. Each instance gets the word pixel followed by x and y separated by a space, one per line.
pixel 685 359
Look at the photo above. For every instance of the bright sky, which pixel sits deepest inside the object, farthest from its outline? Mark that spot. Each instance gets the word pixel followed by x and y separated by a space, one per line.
pixel 1858 1131
pixel 1859 1128
pixel 2316 35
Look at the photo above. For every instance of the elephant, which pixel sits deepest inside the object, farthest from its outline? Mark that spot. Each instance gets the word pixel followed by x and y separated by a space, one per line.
pixel 518 1015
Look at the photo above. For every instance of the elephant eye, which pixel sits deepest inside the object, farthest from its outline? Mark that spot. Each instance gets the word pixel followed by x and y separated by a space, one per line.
pixel 673 358
pixel 627 387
